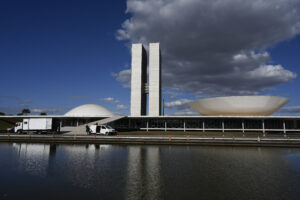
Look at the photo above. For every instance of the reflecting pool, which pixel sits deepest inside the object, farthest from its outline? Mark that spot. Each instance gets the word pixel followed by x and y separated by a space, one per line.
pixel 52 171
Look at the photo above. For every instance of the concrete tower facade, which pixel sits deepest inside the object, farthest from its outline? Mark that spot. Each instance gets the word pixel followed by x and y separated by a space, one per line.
pixel 138 99
pixel 154 80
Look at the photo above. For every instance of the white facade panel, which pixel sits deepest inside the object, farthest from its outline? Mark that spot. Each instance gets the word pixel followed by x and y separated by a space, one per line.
pixel 154 80
pixel 138 79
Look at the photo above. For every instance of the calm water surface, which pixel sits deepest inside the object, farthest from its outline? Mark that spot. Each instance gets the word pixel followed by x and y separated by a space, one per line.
pixel 44 171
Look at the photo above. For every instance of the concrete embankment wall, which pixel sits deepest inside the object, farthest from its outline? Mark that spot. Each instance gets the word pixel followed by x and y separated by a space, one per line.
pixel 167 140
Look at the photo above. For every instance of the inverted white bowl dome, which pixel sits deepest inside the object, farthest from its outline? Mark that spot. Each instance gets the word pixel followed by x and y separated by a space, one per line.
pixel 239 105
pixel 89 110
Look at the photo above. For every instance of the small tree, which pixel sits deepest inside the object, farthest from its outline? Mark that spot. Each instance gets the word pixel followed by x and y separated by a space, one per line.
pixel 2 113
pixel 25 111
pixel 19 114
pixel 43 113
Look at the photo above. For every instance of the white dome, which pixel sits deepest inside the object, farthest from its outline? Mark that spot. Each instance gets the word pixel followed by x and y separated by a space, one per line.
pixel 239 105
pixel 89 110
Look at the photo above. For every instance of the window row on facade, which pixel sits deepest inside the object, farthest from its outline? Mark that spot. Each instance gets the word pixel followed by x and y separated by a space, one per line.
pixel 207 123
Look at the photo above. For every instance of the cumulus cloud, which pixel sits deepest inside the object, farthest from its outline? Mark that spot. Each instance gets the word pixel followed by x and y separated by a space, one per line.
pixel 123 76
pixel 121 107
pixel 172 93
pixel 115 101
pixel 46 110
pixel 111 100
pixel 214 47
pixel 178 104
pixel 182 107
pixel 290 110
pixel 185 112
pixel 108 99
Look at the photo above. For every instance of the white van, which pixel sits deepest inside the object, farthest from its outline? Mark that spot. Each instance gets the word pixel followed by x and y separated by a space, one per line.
pixel 101 130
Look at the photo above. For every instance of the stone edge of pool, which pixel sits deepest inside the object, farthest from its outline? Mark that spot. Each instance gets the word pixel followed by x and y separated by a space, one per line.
pixel 155 140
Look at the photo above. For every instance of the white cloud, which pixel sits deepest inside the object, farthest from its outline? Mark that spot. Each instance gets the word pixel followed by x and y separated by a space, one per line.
pixel 37 110
pixel 46 110
pixel 214 47
pixel 115 101
pixel 177 104
pixel 172 94
pixel 277 72
pixel 290 110
pixel 108 99
pixel 121 107
pixel 111 100
pixel 123 76
pixel 185 112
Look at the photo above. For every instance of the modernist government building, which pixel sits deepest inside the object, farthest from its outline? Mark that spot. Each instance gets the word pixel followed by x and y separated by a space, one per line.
pixel 221 114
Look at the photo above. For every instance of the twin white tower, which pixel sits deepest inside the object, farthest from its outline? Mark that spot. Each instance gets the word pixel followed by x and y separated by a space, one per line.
pixel 140 87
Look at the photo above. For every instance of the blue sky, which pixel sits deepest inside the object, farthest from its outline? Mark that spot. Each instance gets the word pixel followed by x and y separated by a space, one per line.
pixel 56 55
pixel 60 54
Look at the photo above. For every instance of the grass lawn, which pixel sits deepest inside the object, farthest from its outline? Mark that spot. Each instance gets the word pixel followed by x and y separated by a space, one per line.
pixel 5 124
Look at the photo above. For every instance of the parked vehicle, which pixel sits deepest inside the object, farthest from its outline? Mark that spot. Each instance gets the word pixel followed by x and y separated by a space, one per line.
pixel 101 129
pixel 37 125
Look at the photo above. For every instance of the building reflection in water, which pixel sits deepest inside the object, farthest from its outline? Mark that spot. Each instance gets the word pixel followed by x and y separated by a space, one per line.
pixel 154 172
pixel 137 168
pixel 143 179
pixel 33 158
pixel 85 165
pixel 76 163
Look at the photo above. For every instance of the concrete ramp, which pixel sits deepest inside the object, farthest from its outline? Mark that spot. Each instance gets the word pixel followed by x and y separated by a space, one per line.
pixel 107 120
pixel 78 130
pixel 103 121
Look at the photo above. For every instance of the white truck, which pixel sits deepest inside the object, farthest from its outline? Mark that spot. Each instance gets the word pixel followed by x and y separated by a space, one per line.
pixel 38 125
pixel 101 129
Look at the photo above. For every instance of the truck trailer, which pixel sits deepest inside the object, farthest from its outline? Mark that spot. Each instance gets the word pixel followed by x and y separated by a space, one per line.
pixel 37 125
